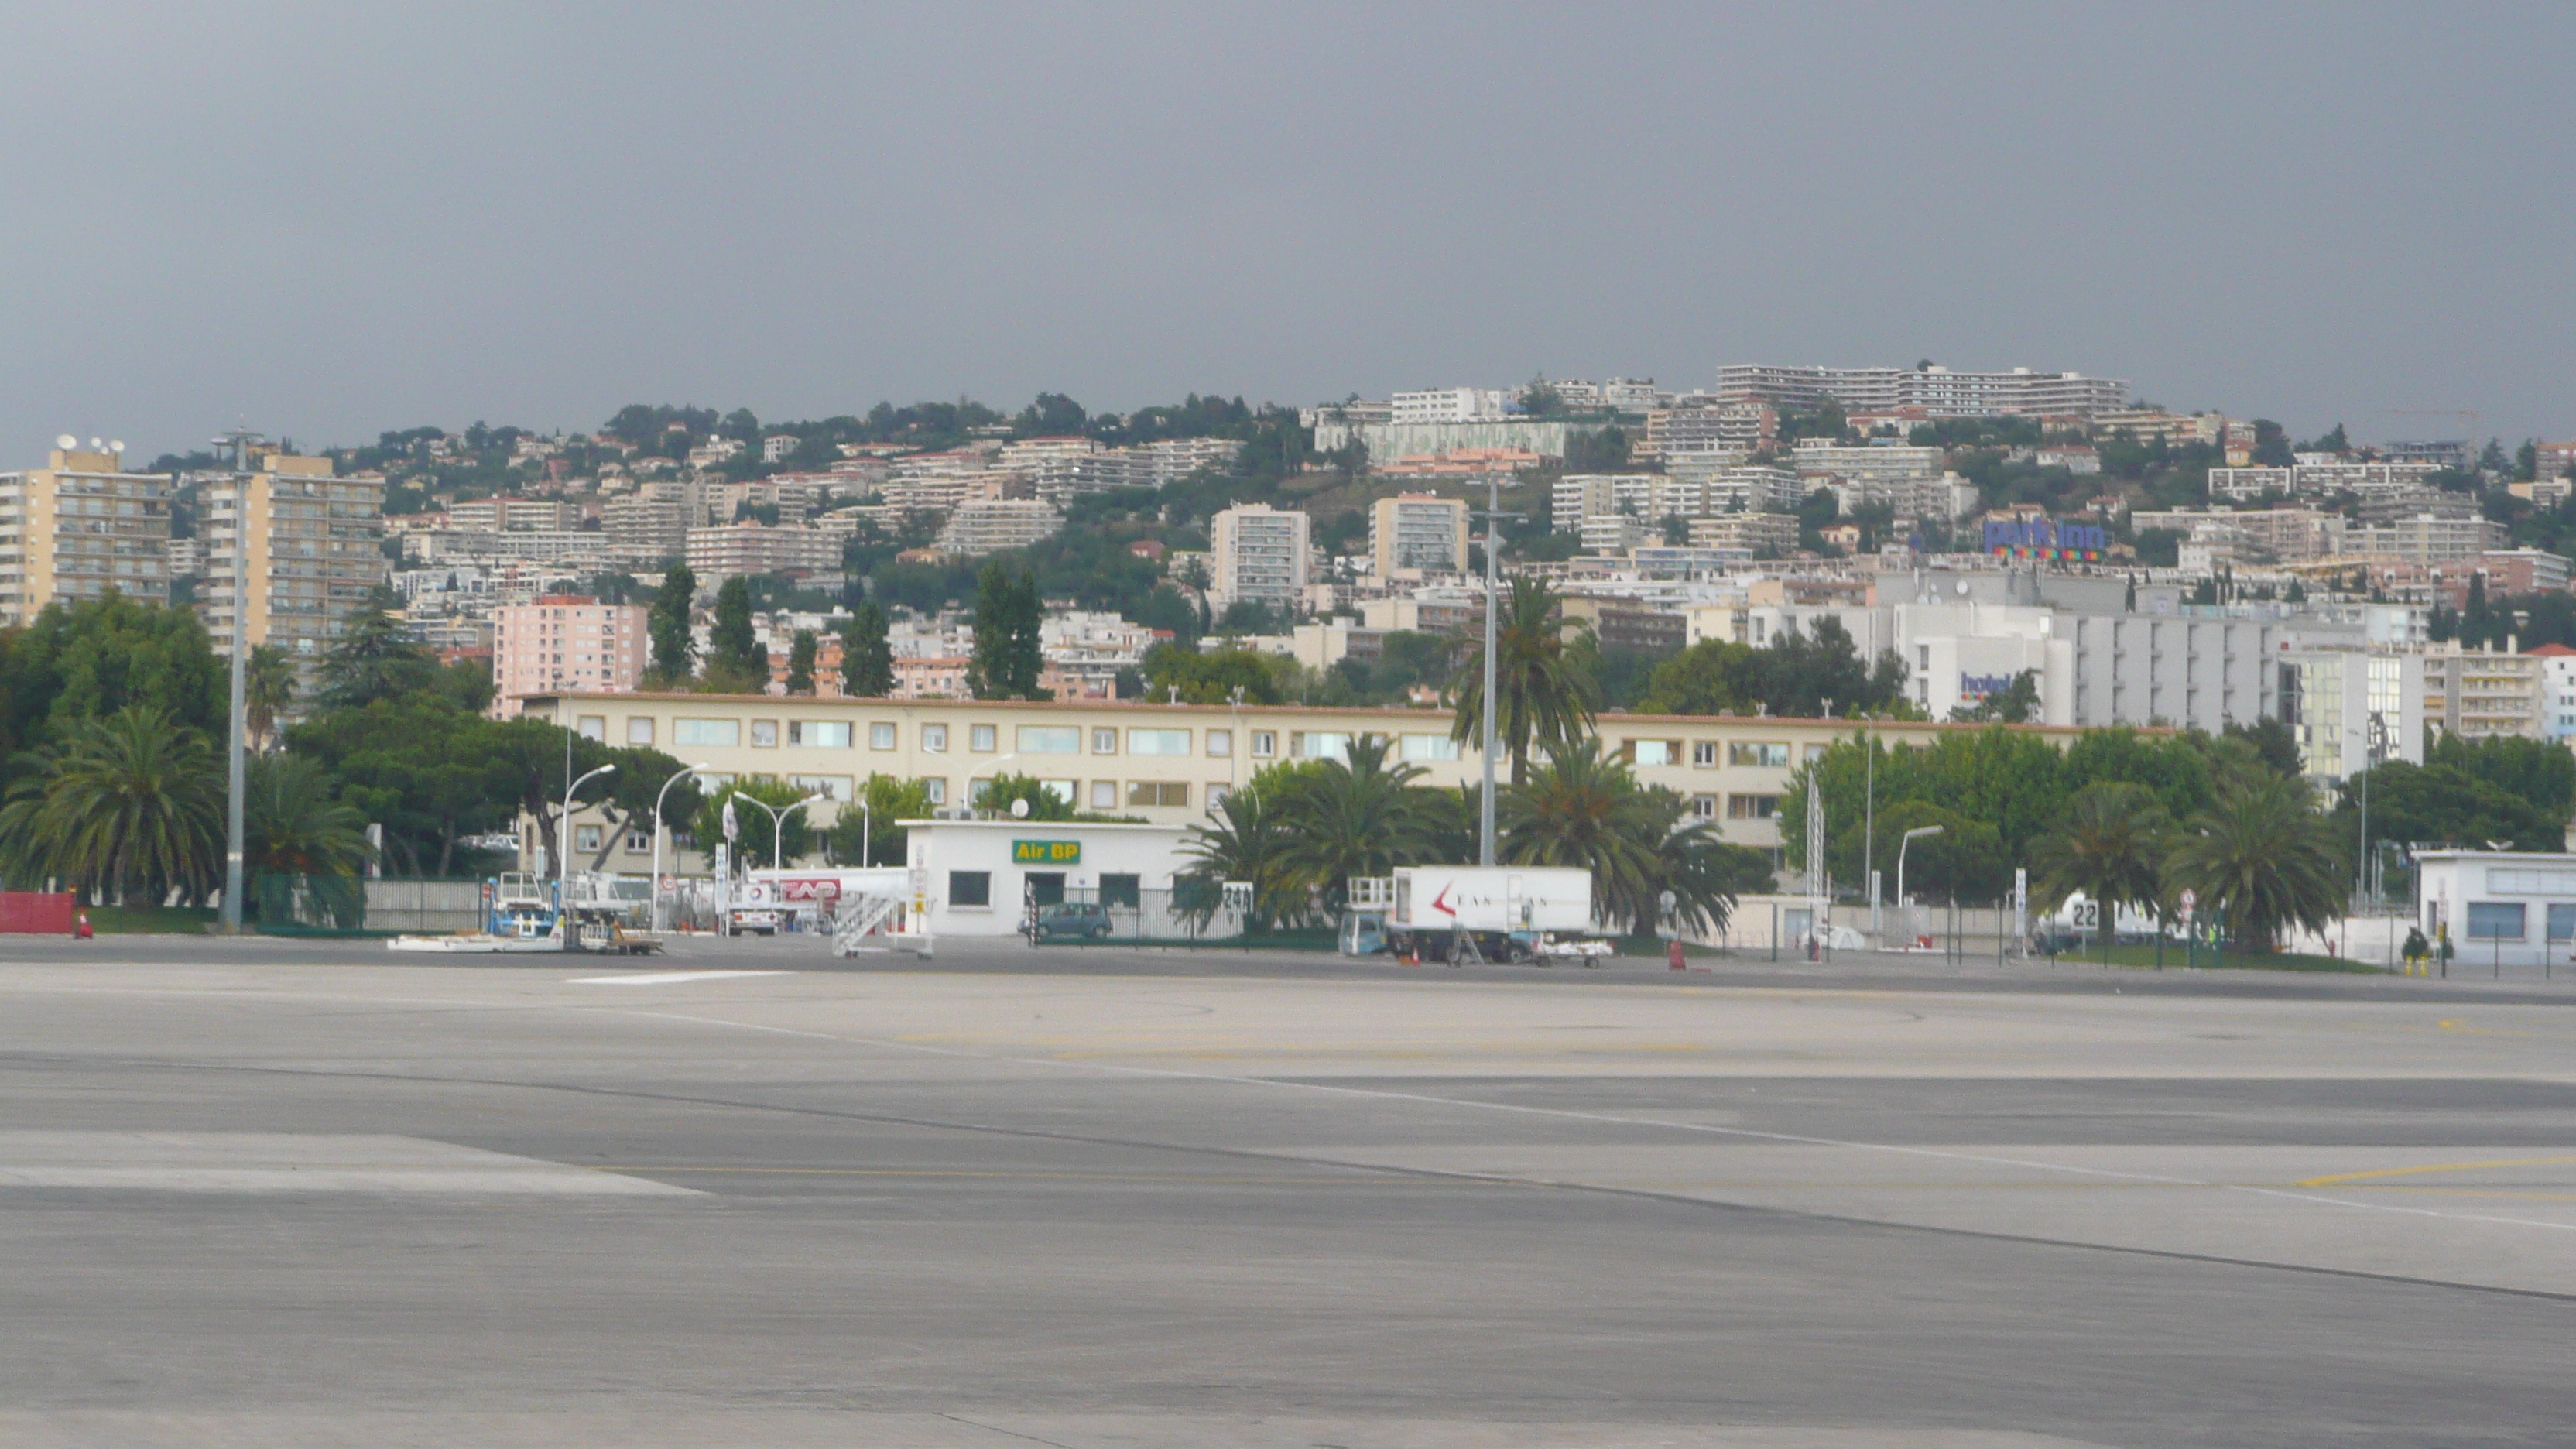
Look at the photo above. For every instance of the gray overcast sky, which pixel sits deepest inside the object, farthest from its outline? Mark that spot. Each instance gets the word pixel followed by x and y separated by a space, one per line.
pixel 332 219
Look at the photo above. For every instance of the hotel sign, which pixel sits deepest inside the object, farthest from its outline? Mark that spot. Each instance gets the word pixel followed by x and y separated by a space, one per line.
pixel 2044 538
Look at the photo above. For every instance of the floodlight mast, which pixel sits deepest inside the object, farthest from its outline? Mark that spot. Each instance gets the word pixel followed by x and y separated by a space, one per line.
pixel 1493 515
pixel 240 440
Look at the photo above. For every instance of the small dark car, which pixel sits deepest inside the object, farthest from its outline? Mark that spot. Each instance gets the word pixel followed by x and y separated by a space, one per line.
pixel 1069 920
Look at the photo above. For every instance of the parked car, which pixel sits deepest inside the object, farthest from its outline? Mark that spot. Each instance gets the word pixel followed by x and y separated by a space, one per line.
pixel 753 921
pixel 1068 919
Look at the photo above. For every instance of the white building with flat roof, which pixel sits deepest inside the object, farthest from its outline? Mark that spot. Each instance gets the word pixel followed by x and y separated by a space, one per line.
pixel 1864 460
pixel 1934 391
pixel 981 526
pixel 1451 405
pixel 2498 907
pixel 1262 554
pixel 723 551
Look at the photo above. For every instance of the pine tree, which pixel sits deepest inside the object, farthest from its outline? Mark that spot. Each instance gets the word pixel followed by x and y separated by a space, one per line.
pixel 1006 660
pixel 800 663
pixel 737 662
pixel 867 660
pixel 674 648
pixel 1028 618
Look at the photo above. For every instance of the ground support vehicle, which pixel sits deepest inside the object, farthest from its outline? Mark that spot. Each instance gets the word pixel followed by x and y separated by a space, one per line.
pixel 519 915
pixel 1460 914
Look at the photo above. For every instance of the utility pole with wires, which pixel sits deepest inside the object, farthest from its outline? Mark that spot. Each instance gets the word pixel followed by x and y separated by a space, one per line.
pixel 1493 515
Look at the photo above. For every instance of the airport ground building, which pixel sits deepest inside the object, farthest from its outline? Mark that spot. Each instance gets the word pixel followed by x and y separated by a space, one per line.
pixel 1167 764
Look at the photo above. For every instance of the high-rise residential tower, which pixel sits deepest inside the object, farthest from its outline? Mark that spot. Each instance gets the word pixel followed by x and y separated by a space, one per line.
pixel 292 551
pixel 80 526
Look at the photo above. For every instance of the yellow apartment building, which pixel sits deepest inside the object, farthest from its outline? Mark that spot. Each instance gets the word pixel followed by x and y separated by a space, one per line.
pixel 80 526
pixel 291 552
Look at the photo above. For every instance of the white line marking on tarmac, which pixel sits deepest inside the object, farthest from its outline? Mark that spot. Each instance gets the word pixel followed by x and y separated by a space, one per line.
pixel 664 978
pixel 1741 1133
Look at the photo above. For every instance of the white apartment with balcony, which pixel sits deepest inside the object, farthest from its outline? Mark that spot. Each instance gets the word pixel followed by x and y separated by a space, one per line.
pixel 1262 554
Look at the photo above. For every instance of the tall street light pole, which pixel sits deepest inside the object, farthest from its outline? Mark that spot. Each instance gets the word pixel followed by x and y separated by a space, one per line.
pixel 1903 846
pixel 563 861
pixel 1234 746
pixel 658 798
pixel 234 768
pixel 778 825
pixel 2369 757
pixel 1493 516
pixel 1869 839
pixel 239 440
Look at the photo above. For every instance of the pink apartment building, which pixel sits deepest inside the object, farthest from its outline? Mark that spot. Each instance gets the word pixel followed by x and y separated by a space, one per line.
pixel 565 641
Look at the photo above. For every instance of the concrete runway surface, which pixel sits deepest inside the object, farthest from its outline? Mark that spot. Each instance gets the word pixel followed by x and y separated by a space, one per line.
pixel 262 1193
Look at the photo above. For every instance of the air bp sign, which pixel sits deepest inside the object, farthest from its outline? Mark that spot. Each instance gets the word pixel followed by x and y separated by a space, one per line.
pixel 1046 852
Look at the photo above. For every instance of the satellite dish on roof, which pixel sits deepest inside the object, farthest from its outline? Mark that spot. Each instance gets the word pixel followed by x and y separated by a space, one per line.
pixel 116 445
pixel 67 442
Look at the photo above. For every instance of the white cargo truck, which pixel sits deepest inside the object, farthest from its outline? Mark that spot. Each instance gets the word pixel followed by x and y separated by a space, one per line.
pixel 1510 913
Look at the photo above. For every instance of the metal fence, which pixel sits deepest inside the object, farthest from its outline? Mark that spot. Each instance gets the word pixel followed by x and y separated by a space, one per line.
pixel 307 905
pixel 1185 914
pixel 424 907
pixel 1784 926
pixel 338 905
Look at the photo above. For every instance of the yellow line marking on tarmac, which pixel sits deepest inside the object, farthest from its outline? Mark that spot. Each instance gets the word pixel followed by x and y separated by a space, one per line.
pixel 2453 1023
pixel 2340 1177
pixel 2478 1192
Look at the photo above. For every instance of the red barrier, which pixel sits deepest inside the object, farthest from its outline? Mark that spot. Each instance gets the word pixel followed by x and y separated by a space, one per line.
pixel 35 913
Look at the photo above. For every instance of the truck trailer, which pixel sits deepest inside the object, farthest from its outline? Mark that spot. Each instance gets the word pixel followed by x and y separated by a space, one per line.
pixel 1464 912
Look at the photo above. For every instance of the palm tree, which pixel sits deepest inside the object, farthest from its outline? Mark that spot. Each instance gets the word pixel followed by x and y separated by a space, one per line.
pixel 291 824
pixel 1357 816
pixel 132 803
pixel 1584 809
pixel 268 690
pixel 1547 699
pixel 2263 856
pixel 1249 842
pixel 1703 870
pixel 2110 846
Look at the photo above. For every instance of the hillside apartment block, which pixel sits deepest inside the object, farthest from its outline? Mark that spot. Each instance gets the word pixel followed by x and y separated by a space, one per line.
pixel 1262 554
pixel 1414 533
pixel 292 551
pixel 1935 392
pixel 563 641
pixel 78 527
pixel 1170 764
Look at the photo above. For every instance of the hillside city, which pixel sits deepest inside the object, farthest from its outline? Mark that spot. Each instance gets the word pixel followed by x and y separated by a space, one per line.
pixel 1341 544
pixel 423 618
